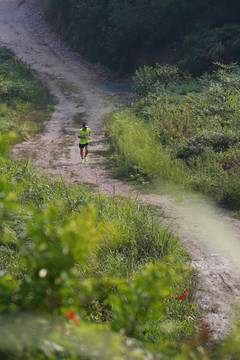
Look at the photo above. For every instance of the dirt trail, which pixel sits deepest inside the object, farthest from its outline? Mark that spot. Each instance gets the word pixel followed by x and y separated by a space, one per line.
pixel 83 90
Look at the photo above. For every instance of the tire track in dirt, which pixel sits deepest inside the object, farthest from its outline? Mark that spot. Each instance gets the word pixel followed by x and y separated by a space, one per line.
pixel 209 234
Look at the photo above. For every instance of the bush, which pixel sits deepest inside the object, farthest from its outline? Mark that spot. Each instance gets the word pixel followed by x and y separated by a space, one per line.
pixel 146 79
pixel 201 49
pixel 205 140
pixel 194 121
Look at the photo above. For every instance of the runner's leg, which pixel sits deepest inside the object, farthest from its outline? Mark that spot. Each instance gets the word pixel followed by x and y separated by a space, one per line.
pixel 81 153
pixel 86 150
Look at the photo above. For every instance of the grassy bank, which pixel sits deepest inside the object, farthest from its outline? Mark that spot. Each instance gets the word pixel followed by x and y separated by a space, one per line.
pixel 183 131
pixel 24 102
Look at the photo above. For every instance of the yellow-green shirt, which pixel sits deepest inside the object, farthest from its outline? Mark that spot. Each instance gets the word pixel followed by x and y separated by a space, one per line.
pixel 85 134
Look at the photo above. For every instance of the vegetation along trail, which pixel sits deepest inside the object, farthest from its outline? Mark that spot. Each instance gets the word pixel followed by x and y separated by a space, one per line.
pixel 87 92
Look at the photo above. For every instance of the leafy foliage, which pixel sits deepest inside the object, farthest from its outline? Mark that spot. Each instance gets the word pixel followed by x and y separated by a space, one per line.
pixel 201 49
pixel 182 130
pixel 127 34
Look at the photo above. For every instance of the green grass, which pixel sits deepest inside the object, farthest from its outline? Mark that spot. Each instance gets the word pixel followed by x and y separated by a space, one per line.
pixel 25 103
pixel 132 246
pixel 182 131
pixel 136 150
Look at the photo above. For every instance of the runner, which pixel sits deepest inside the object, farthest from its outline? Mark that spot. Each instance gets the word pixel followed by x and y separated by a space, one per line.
pixel 84 136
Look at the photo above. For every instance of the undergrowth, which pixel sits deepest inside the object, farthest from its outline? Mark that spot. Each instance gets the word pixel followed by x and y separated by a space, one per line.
pixel 108 261
pixel 182 131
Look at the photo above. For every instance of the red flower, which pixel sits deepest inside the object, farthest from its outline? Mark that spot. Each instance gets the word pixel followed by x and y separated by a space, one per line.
pixel 71 316
pixel 182 296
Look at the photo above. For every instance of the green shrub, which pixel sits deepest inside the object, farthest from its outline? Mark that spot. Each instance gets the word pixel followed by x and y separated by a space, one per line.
pixel 205 140
pixel 147 78
pixel 202 48
pixel 126 34
pixel 195 121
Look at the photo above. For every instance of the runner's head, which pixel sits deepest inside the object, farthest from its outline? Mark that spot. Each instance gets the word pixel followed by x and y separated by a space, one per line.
pixel 84 126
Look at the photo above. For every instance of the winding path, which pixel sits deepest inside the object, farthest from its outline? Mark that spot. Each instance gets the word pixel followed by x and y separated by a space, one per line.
pixel 83 91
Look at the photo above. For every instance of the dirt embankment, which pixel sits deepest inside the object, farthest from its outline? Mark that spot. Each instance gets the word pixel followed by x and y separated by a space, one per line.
pixel 84 91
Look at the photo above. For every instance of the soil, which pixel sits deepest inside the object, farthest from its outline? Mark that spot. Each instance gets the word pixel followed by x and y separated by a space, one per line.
pixel 87 92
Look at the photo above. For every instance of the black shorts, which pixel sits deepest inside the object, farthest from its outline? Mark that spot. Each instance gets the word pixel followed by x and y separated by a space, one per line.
pixel 83 145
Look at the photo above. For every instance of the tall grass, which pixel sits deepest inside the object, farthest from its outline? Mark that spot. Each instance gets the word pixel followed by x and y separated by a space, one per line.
pixel 183 130
pixel 138 234
pixel 137 151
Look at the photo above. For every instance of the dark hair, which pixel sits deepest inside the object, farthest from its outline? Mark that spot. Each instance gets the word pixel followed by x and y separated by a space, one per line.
pixel 84 125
